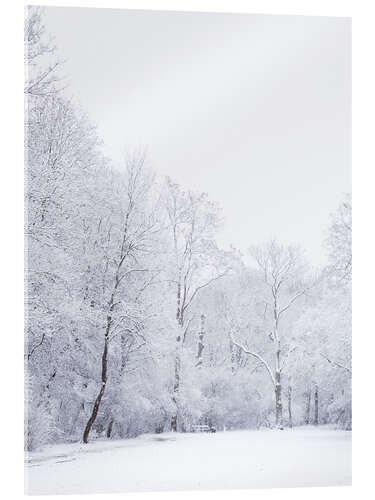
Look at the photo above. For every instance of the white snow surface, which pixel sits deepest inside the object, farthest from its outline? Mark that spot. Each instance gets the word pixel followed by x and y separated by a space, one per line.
pixel 297 457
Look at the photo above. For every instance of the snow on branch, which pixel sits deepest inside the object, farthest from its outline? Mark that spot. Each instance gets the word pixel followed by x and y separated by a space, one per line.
pixel 255 355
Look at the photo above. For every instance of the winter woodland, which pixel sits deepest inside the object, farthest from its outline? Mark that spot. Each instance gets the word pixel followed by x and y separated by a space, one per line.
pixel 137 321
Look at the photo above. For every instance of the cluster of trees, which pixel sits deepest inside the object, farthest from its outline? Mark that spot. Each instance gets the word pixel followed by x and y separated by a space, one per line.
pixel 136 321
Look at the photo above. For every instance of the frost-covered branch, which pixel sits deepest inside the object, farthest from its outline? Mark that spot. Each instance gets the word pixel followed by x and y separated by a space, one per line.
pixel 255 355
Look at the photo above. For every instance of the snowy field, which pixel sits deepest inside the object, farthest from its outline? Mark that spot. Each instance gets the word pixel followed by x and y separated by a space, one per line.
pixel 159 462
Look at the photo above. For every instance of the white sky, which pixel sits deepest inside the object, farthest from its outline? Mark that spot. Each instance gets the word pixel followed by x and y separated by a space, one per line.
pixel 254 110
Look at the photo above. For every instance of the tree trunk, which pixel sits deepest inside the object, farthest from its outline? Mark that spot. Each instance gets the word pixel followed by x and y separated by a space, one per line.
pixel 232 357
pixel 290 420
pixel 278 400
pixel 111 305
pixel 176 386
pixel 99 397
pixel 200 342
pixel 316 402
pixel 109 429
pixel 308 405
pixel 174 422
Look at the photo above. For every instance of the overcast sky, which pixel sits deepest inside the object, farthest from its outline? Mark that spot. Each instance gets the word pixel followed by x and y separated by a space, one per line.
pixel 254 110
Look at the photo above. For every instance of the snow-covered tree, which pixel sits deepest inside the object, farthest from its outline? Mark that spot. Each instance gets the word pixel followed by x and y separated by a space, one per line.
pixel 282 271
pixel 136 320
pixel 197 262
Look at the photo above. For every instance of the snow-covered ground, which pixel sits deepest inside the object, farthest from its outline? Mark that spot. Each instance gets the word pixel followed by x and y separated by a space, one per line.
pixel 158 462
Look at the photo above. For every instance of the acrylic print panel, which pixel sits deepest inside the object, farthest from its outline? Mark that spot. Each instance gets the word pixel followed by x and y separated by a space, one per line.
pixel 188 257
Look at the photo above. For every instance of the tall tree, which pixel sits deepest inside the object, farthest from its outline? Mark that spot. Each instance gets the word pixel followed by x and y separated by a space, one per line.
pixel 192 221
pixel 129 235
pixel 280 268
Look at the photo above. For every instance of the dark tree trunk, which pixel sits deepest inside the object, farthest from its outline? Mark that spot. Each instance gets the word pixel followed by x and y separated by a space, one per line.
pixel 111 305
pixel 316 406
pixel 109 429
pixel 200 341
pixel 94 414
pixel 176 387
pixel 308 405
pixel 290 420
pixel 174 422
pixel 99 397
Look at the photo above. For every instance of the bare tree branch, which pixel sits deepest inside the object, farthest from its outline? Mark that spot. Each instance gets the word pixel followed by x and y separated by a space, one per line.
pixel 203 286
pixel 36 346
pixel 335 363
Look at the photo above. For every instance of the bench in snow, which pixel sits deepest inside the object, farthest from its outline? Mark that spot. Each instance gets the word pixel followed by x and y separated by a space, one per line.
pixel 202 428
